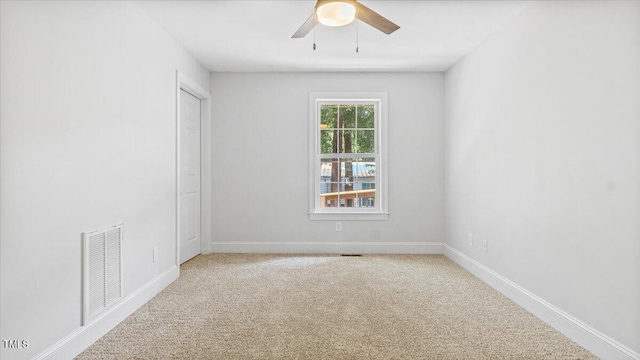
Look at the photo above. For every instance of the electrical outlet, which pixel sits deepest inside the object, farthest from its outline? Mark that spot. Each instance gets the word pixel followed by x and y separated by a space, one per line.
pixel 484 246
pixel 156 250
pixel 338 226
pixel 470 239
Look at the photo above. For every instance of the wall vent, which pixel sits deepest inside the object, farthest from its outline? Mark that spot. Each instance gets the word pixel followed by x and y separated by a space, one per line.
pixel 102 273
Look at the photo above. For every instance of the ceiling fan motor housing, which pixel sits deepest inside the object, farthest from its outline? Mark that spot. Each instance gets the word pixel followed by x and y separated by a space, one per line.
pixel 343 12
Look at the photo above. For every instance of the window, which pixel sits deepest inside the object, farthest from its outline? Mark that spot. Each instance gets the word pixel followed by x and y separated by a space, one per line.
pixel 347 140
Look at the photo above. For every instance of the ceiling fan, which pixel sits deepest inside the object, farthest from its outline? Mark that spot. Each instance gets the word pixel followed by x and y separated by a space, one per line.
pixel 343 12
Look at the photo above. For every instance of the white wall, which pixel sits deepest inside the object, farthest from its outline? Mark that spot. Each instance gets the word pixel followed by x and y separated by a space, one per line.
pixel 542 138
pixel 87 140
pixel 260 163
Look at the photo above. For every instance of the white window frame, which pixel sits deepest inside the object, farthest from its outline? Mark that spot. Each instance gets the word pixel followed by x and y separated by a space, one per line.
pixel 380 211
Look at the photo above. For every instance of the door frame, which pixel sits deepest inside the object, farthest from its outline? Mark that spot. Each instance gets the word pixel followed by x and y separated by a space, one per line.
pixel 185 83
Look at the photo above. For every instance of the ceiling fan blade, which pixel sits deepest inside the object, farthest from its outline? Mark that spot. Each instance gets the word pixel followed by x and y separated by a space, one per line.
pixel 374 19
pixel 306 27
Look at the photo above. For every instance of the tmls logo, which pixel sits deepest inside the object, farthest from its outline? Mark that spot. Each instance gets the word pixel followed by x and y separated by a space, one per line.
pixel 15 344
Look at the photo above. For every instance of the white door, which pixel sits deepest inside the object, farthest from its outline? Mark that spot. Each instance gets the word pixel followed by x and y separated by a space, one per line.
pixel 189 176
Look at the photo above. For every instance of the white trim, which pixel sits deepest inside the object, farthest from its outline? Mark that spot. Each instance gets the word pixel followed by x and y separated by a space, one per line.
pixel 381 118
pixel 586 336
pixel 177 170
pixel 328 247
pixel 346 216
pixel 79 340
pixel 205 172
pixel 192 87
pixel 185 83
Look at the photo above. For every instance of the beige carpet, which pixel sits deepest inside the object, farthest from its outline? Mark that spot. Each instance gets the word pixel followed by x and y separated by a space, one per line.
pixel 331 307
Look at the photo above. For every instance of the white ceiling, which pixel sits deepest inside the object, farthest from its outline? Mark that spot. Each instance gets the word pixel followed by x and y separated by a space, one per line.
pixel 256 35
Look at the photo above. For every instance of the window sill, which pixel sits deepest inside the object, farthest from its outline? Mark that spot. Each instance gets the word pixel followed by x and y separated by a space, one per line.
pixel 345 216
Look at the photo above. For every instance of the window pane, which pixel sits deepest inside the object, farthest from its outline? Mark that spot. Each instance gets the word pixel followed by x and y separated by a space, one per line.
pixel 326 142
pixel 347 167
pixel 365 170
pixel 348 116
pixel 366 199
pixel 328 116
pixel 329 197
pixel 348 183
pixel 348 193
pixel 366 182
pixel 348 141
pixel 329 185
pixel 366 116
pixel 332 141
pixel 366 142
pixel 330 172
pixel 348 196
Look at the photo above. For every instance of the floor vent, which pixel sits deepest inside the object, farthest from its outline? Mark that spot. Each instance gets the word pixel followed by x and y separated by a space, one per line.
pixel 350 254
pixel 102 273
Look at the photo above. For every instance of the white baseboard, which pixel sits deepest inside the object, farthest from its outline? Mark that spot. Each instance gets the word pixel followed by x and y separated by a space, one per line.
pixel 76 342
pixel 586 336
pixel 327 248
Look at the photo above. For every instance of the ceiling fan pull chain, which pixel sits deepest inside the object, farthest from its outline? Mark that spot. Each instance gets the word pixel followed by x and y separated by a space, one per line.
pixel 314 36
pixel 357 35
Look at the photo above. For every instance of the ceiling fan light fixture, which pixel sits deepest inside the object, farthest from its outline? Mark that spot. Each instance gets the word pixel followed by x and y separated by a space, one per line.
pixel 336 13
